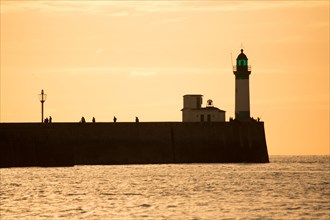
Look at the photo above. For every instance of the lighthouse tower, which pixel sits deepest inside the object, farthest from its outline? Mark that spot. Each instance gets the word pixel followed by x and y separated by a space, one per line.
pixel 242 94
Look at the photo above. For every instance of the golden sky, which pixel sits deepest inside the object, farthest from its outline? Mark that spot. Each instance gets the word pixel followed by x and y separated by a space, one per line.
pixel 138 58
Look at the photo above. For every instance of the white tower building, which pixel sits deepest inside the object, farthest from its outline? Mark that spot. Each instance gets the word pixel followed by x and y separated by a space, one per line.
pixel 242 72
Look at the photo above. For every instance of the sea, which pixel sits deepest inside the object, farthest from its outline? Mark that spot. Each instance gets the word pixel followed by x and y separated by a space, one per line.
pixel 289 187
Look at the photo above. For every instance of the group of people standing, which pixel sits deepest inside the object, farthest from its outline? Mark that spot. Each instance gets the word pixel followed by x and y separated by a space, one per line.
pixel 48 120
pixel 83 120
pixel 114 119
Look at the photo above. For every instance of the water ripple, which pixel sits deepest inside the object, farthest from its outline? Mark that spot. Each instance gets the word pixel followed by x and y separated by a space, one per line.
pixel 287 188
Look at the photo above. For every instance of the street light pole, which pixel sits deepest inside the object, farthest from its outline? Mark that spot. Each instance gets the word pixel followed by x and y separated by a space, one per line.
pixel 42 98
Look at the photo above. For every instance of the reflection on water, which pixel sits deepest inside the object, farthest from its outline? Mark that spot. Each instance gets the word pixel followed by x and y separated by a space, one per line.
pixel 286 188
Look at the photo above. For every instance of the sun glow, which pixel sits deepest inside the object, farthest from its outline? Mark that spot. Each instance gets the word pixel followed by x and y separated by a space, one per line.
pixel 138 58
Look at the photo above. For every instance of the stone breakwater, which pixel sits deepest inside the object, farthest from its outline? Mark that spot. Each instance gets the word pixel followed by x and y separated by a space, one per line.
pixel 69 144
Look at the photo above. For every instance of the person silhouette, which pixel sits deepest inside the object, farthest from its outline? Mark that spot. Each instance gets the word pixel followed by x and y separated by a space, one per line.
pixel 114 119
pixel 46 120
pixel 93 120
pixel 83 120
pixel 50 119
pixel 136 119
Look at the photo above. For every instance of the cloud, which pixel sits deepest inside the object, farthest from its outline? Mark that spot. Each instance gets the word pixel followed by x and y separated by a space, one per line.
pixel 85 70
pixel 315 101
pixel 143 73
pixel 221 6
pixel 169 21
pixel 319 24
pixel 60 6
pixel 120 14
pixel 132 71
pixel 125 8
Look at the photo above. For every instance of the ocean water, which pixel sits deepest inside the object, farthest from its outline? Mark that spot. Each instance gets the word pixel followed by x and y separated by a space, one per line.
pixel 290 187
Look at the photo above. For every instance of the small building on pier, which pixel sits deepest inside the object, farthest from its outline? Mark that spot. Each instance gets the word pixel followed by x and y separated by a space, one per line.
pixel 194 112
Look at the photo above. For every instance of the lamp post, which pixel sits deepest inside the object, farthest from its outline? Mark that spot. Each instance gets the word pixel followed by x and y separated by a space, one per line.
pixel 42 98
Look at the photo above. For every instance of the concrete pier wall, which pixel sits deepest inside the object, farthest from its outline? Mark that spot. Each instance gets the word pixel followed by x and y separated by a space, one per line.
pixel 68 144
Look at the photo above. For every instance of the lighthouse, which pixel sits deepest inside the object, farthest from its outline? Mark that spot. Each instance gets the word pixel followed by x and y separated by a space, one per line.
pixel 242 72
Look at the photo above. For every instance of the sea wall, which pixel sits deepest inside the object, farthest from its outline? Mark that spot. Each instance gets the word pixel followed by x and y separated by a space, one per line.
pixel 68 144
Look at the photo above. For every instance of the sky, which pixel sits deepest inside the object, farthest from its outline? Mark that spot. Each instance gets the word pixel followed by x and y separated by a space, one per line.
pixel 138 58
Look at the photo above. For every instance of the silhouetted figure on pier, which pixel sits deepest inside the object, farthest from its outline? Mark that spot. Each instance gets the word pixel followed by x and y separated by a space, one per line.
pixel 114 119
pixel 83 120
pixel 93 120
pixel 50 119
pixel 136 119
pixel 46 120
